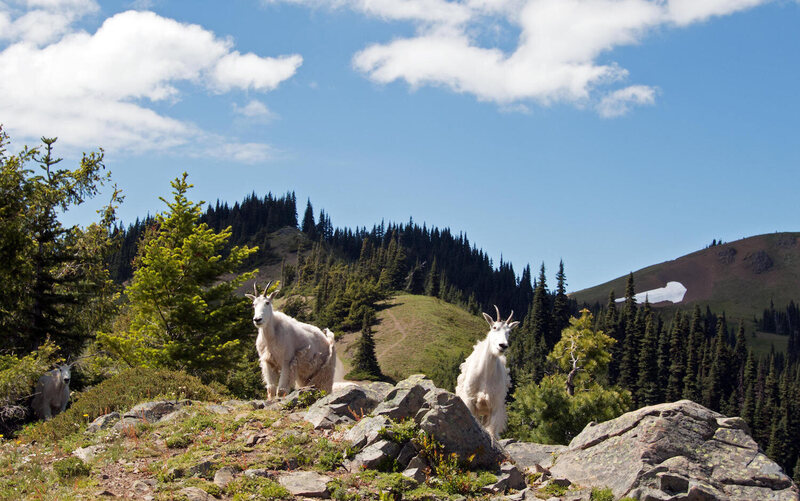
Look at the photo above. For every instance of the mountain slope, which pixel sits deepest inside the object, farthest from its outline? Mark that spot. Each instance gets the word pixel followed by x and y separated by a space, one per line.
pixel 739 278
pixel 415 333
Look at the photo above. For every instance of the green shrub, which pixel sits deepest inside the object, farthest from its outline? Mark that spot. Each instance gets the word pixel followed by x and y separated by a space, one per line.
pixel 178 441
pixel 120 393
pixel 401 431
pixel 70 467
pixel 601 494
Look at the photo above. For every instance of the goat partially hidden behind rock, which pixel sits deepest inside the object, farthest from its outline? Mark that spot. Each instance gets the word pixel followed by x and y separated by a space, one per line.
pixel 291 351
pixel 52 392
pixel 484 380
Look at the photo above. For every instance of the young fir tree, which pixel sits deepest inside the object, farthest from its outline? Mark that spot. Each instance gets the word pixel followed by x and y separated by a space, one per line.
pixel 365 362
pixel 433 280
pixel 309 227
pixel 611 324
pixel 182 315
pixel 748 411
pixel 691 390
pixel 560 303
pixel 714 390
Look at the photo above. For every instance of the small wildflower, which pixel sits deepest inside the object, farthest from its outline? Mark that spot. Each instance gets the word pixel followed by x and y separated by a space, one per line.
pixel 85 415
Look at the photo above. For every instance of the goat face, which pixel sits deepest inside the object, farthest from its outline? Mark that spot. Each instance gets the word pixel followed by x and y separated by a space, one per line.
pixel 64 373
pixel 262 309
pixel 498 332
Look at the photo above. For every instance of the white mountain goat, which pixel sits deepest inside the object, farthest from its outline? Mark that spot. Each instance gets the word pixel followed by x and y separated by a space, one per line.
pixel 484 379
pixel 52 392
pixel 291 351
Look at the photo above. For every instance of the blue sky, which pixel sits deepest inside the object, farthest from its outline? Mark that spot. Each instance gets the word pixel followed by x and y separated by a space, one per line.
pixel 612 134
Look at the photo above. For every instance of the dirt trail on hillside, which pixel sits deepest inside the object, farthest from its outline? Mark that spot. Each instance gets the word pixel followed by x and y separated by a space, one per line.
pixel 402 338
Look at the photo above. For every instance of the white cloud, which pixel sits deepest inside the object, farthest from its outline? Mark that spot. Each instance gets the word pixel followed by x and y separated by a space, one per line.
pixel 254 109
pixel 41 21
pixel 620 101
pixel 238 152
pixel 557 53
pixel 96 89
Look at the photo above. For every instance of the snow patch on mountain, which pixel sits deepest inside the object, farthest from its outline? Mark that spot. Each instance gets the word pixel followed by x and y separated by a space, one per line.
pixel 674 292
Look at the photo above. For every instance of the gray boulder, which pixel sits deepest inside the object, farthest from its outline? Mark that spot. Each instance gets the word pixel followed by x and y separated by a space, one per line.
pixel 306 484
pixel 86 454
pixel 366 431
pixel 533 457
pixel 445 417
pixel 406 399
pixel 373 456
pixel 103 422
pixel 152 412
pixel 674 451
pixel 344 405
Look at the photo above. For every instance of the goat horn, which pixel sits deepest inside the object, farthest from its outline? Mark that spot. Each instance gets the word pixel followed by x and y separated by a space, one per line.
pixel 498 313
pixel 255 288
pixel 509 317
pixel 266 288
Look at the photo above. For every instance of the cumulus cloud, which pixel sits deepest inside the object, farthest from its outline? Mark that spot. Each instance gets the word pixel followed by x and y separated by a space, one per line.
pixel 620 101
pixel 557 53
pixel 254 109
pixel 98 88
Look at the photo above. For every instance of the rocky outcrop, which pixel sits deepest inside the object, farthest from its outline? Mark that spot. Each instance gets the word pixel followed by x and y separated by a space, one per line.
pixel 346 405
pixel 675 451
pixel 436 411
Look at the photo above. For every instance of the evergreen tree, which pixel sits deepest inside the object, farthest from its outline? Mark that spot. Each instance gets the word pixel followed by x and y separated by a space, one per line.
pixel 560 303
pixel 677 354
pixel 542 312
pixel 691 390
pixel 713 390
pixel 748 412
pixel 55 279
pixel 309 226
pixel 647 384
pixel 611 325
pixel 365 362
pixel 182 315
pixel 433 280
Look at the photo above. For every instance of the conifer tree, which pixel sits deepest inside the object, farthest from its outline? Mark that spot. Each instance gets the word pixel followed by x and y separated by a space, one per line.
pixel 611 325
pixel 748 412
pixel 677 354
pixel 647 384
pixel 691 390
pixel 309 226
pixel 433 280
pixel 560 303
pixel 796 476
pixel 182 315
pixel 713 389
pixel 365 362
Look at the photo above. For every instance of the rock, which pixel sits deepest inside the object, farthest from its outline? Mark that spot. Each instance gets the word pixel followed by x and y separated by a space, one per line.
pixel 306 484
pixel 103 422
pixel 344 405
pixel 224 476
pixel 528 455
pixel 406 399
pixel 417 462
pixel 259 404
pixel 416 474
pixel 514 477
pixel 407 453
pixel 446 418
pixel 373 456
pixel 257 472
pixel 254 438
pixel 219 409
pixel 677 450
pixel 103 492
pixel 202 469
pixel 301 397
pixel 126 423
pixel 88 453
pixel 196 494
pixel 366 431
pixel 176 472
pixel 141 487
pixel 152 412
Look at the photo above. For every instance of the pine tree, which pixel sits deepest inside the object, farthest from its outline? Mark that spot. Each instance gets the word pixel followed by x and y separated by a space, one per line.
pixel 611 324
pixel 433 280
pixel 182 315
pixel 647 383
pixel 309 226
pixel 691 390
pixel 560 303
pixel 714 389
pixel 677 354
pixel 365 362
pixel 748 412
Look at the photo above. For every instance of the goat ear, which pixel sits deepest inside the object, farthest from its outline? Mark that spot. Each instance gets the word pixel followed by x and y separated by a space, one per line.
pixel 250 296
pixel 273 294
pixel 489 319
pixel 512 325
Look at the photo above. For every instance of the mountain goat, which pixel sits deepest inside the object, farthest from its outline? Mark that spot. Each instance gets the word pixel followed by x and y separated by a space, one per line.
pixel 290 351
pixel 484 379
pixel 52 392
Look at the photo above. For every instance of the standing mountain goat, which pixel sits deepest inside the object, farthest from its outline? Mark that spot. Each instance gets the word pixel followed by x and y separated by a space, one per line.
pixel 52 392
pixel 290 351
pixel 484 380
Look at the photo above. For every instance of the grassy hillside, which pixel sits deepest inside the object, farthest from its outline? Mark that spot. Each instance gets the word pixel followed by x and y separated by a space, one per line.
pixel 739 278
pixel 416 332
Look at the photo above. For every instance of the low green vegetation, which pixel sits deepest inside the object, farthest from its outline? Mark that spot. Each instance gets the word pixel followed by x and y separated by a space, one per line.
pixel 70 467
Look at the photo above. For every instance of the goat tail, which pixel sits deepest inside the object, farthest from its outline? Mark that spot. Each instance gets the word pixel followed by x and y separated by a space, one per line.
pixel 331 337
pixel 482 400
